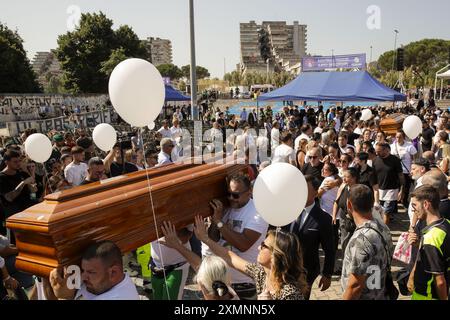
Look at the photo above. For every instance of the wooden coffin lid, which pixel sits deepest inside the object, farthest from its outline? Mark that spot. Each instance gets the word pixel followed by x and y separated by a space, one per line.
pixel 392 123
pixel 58 230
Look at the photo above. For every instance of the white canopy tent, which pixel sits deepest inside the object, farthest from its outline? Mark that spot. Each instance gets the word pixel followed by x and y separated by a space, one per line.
pixel 443 76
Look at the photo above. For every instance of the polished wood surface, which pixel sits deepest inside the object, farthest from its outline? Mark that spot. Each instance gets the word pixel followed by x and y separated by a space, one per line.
pixel 56 231
pixel 392 123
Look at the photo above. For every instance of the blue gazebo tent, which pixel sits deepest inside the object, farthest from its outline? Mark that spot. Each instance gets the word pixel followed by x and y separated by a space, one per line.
pixel 334 86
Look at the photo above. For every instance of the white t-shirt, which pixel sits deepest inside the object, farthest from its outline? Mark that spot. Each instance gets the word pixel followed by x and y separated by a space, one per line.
pixel 76 173
pixel 328 198
pixel 165 133
pixel 125 290
pixel 170 256
pixel 239 219
pixel 164 158
pixel 298 139
pixel 275 137
pixel 318 130
pixel 263 144
pixel 358 131
pixel 283 153
pixel 176 132
pixel 405 153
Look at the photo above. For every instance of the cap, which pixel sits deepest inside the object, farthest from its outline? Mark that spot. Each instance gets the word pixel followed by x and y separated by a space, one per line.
pixel 422 162
pixel 58 137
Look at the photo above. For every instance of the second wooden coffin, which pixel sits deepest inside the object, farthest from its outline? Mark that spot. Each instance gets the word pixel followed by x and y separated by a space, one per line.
pixel 58 230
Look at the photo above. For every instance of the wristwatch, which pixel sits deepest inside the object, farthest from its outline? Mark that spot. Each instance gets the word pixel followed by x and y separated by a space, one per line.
pixel 219 225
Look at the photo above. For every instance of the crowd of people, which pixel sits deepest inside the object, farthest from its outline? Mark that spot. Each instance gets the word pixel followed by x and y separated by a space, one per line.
pixel 358 178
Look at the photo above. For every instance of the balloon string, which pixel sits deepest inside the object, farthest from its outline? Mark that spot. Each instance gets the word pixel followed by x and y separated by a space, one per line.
pixel 46 178
pixel 154 215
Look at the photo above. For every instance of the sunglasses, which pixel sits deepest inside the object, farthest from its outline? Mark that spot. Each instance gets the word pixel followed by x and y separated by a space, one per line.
pixel 235 195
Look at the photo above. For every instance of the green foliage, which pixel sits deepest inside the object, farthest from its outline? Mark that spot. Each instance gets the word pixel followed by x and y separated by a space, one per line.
pixel 202 72
pixel 279 79
pixel 116 57
pixel 88 53
pixel 422 60
pixel 170 70
pixel 16 74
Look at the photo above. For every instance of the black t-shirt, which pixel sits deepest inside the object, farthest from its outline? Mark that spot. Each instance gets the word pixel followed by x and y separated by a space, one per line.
pixel 316 172
pixel 387 172
pixel 427 135
pixel 118 169
pixel 352 137
pixel 22 201
pixel 444 209
pixel 367 177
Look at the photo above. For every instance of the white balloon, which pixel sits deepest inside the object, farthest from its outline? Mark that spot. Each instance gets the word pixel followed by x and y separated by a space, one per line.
pixel 137 91
pixel 412 126
pixel 280 194
pixel 104 136
pixel 151 126
pixel 366 115
pixel 38 147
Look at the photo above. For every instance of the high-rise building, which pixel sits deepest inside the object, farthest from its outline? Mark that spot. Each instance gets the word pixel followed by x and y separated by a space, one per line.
pixel 287 45
pixel 45 63
pixel 160 50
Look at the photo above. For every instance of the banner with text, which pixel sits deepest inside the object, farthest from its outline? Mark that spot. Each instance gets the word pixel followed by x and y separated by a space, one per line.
pixel 353 61
pixel 82 120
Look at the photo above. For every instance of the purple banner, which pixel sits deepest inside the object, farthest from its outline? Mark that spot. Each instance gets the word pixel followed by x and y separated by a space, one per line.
pixel 334 62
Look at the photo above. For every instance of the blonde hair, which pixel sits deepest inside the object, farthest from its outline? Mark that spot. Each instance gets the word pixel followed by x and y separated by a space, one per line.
pixel 212 270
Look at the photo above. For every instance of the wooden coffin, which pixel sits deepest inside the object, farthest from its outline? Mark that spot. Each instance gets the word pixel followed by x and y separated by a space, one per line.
pixel 57 231
pixel 392 123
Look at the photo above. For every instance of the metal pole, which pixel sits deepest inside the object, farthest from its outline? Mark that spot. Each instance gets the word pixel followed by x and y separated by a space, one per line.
pixel 194 107
pixel 370 54
pixel 395 48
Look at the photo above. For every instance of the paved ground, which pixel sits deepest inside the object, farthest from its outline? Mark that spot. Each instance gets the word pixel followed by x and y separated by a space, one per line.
pixel 398 225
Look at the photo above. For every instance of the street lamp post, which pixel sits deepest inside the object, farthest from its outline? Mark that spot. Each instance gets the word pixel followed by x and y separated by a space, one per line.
pixel 194 107
pixel 395 48
pixel 371 49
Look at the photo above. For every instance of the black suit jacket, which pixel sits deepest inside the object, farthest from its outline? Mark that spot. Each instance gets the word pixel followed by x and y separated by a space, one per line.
pixel 317 230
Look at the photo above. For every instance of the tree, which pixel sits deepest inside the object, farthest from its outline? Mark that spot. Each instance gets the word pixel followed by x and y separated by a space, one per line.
pixel 422 60
pixel 116 57
pixel 200 71
pixel 16 74
pixel 83 51
pixel 170 70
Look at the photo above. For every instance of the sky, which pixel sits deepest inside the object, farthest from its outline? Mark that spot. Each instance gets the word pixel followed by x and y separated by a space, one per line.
pixel 333 25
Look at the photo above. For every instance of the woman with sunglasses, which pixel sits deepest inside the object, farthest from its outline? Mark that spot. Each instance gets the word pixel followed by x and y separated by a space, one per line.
pixel 278 273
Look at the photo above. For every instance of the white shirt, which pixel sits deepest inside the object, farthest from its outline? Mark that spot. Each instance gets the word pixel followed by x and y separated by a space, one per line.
pixel 263 144
pixel 410 209
pixel 176 132
pixel 170 256
pixel 304 216
pixel 76 173
pixel 405 152
pixel 239 219
pixel 275 138
pixel 358 131
pixel 328 198
pixel 179 115
pixel 163 159
pixel 344 150
pixel 125 290
pixel 165 133
pixel 318 130
pixel 283 153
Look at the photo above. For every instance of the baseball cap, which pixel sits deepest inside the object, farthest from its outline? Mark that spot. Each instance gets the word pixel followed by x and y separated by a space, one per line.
pixel 58 137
